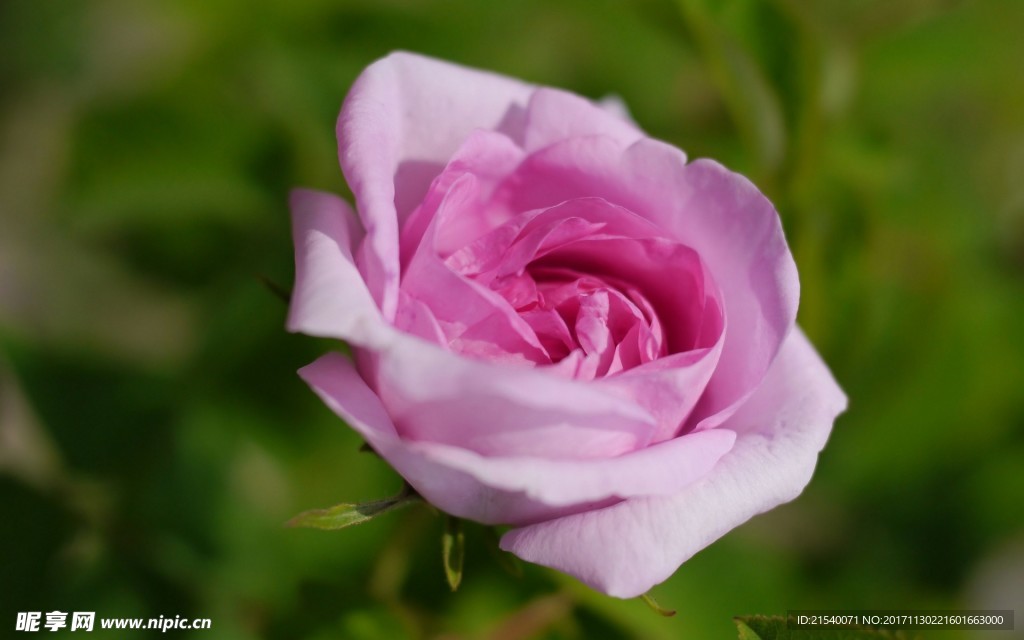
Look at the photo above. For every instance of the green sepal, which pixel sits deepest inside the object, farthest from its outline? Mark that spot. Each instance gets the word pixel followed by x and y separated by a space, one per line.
pixel 453 551
pixel 345 515
pixel 279 291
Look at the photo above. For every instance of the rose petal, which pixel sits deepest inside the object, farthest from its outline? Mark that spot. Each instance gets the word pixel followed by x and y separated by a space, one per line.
pixel 669 387
pixel 467 311
pixel 402 120
pixel 486 155
pixel 625 549
pixel 554 115
pixel 329 298
pixel 336 381
pixel 597 237
pixel 719 214
pixel 668 274
pixel 510 489
pixel 416 318
pixel 494 409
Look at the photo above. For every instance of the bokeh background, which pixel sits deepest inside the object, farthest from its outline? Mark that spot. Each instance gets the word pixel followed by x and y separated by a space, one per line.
pixel 154 436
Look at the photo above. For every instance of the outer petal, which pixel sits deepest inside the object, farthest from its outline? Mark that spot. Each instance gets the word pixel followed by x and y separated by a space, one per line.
pixel 402 120
pixel 496 409
pixel 554 115
pixel 625 549
pixel 510 489
pixel 330 298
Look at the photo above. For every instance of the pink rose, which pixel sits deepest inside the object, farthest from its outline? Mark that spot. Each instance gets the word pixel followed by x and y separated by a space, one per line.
pixel 558 323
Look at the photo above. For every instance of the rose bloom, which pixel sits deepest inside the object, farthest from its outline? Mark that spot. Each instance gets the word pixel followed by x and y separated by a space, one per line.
pixel 558 323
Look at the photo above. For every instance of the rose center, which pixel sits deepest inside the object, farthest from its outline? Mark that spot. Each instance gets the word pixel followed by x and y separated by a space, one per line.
pixel 589 325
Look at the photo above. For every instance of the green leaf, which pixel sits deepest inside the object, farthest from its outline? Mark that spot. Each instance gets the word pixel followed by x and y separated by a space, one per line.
pixel 345 515
pixel 453 549
pixel 653 604
pixel 774 628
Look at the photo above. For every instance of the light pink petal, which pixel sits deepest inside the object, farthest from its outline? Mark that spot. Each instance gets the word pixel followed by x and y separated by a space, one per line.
pixel 496 409
pixel 513 490
pixel 719 214
pixel 335 380
pixel 554 115
pixel 489 157
pixel 536 240
pixel 606 321
pixel 416 318
pixel 658 470
pixel 466 310
pixel 615 105
pixel 510 247
pixel 402 120
pixel 669 387
pixel 625 549
pixel 330 298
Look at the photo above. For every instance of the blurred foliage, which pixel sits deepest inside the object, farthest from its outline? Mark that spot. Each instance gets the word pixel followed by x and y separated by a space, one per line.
pixel 154 437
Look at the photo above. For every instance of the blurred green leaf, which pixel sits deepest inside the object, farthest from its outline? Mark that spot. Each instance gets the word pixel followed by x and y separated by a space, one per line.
pixel 752 101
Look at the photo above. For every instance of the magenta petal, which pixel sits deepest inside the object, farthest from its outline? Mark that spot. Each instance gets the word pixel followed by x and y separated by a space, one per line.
pixel 667 274
pixel 389 157
pixel 625 549
pixel 330 298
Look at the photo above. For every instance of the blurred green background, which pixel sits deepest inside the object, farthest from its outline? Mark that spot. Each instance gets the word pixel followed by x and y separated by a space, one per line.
pixel 154 436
